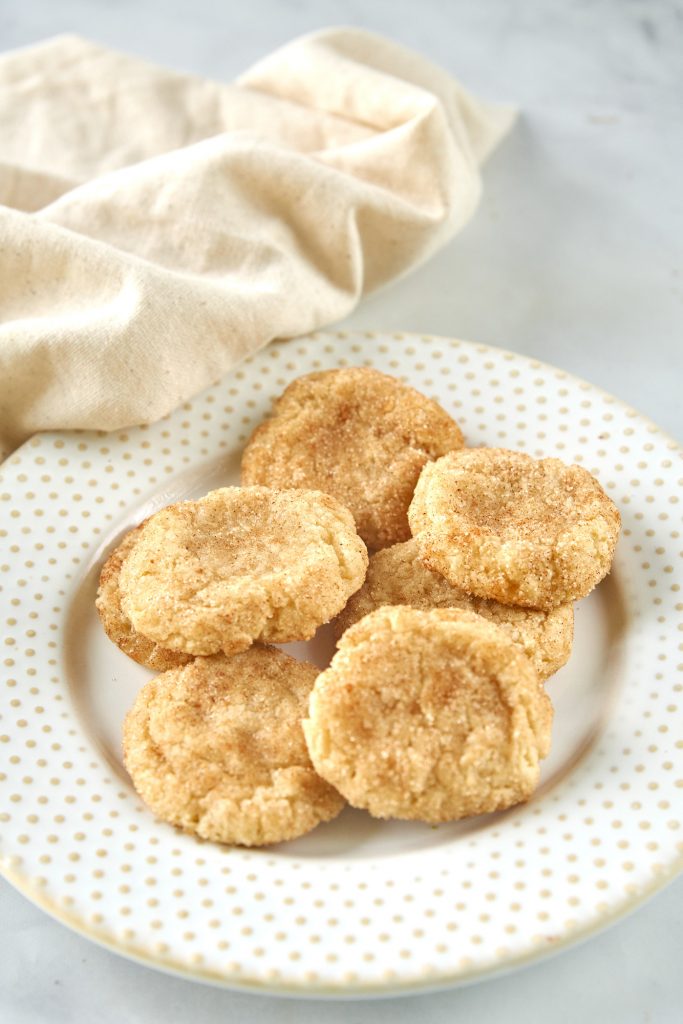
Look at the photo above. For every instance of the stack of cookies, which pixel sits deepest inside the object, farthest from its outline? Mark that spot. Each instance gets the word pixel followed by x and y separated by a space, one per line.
pixel 433 707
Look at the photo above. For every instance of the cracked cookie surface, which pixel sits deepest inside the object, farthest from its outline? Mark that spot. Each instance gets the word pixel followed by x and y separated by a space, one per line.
pixel 397 575
pixel 116 623
pixel 242 564
pixel 499 524
pixel 217 749
pixel 430 715
pixel 357 434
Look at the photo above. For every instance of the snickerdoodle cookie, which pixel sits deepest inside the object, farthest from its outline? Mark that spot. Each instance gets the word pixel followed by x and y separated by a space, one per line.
pixel 432 715
pixel 242 564
pixel 397 575
pixel 523 531
pixel 116 623
pixel 357 434
pixel 217 748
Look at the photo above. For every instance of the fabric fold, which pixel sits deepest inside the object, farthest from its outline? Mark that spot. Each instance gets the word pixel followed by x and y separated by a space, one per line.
pixel 155 228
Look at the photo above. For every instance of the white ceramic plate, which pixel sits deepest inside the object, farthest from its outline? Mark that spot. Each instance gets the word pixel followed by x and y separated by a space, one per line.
pixel 358 905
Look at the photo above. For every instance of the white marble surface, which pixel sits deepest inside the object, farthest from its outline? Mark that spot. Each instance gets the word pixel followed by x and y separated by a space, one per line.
pixel 575 257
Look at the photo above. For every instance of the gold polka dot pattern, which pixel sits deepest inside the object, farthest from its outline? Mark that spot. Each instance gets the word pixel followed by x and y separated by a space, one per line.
pixel 406 908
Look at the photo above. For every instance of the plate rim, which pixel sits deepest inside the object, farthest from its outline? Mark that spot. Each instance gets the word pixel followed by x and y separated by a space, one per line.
pixel 349 991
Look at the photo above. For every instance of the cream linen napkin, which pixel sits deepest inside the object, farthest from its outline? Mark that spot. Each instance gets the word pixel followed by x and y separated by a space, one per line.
pixel 155 228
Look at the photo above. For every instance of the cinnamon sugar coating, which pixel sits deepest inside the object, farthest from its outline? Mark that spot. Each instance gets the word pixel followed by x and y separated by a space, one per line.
pixel 397 575
pixel 522 531
pixel 116 623
pixel 217 749
pixel 242 564
pixel 429 715
pixel 357 434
